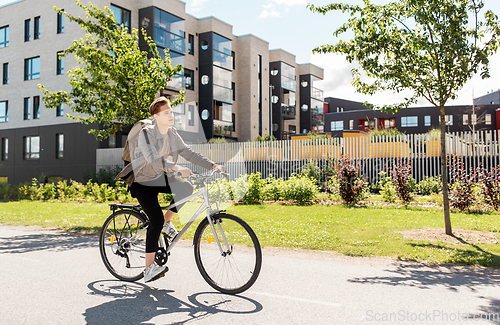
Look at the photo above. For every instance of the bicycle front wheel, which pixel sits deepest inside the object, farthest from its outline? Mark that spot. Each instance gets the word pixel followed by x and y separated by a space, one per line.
pixel 123 244
pixel 234 266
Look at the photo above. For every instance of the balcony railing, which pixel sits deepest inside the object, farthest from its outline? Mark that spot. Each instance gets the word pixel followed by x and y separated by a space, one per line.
pixel 288 112
pixel 223 60
pixel 317 93
pixel 223 94
pixel 223 128
pixel 177 82
pixel 171 41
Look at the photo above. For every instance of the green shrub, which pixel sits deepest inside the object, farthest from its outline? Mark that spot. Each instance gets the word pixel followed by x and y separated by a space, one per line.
pixel 387 189
pixel 429 185
pixel 220 190
pixel 105 175
pixel 312 171
pixel 248 188
pixel 272 189
pixel 8 192
pixel 300 189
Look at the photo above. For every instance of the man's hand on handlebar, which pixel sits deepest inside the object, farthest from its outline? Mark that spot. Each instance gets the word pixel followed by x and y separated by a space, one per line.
pixel 221 168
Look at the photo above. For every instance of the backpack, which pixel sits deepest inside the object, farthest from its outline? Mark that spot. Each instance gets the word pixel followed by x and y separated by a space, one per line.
pixel 133 140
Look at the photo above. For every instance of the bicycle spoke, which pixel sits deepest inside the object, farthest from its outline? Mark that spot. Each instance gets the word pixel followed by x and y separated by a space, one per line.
pixel 235 268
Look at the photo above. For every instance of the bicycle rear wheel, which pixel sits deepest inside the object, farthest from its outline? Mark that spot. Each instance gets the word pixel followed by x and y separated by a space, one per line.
pixel 237 267
pixel 123 244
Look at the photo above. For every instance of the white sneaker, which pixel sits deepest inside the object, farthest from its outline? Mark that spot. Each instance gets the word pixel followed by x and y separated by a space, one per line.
pixel 169 230
pixel 154 272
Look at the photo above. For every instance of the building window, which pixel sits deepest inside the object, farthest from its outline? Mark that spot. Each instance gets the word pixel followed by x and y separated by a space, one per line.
pixel 60 63
pixel 36 107
pixel 487 119
pixel 32 147
pixel 409 121
pixel 4 36
pixel 122 17
pixel 37 28
pixel 189 79
pixel 27 30
pixel 448 119
pixel 473 119
pixel 465 119
pixel 351 124
pixel 233 88
pixel 233 55
pixel 60 146
pixel 427 120
pixel 32 68
pixel 191 44
pixel 337 125
pixel 169 31
pixel 60 23
pixel 389 123
pixel 60 110
pixel 233 120
pixel 5 74
pixel 222 54
pixel 4 111
pixel 27 104
pixel 5 148
pixel 191 115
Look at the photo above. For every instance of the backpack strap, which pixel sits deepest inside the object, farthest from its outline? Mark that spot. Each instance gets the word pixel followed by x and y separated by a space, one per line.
pixel 149 143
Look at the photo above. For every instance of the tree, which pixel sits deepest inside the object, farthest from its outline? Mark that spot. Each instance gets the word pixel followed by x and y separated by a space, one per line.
pixel 430 47
pixel 115 80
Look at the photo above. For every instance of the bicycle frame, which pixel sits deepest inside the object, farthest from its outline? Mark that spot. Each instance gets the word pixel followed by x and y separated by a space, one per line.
pixel 210 212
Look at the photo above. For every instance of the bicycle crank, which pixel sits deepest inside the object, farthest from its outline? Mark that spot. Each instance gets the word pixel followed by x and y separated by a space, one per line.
pixel 161 256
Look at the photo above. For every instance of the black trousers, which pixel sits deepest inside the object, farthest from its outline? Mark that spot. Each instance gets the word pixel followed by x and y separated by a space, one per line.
pixel 147 195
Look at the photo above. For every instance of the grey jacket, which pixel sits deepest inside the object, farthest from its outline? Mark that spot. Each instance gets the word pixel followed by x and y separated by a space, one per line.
pixel 147 165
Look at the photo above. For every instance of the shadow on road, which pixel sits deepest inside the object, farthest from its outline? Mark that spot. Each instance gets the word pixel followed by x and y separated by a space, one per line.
pixel 38 242
pixel 426 276
pixel 491 312
pixel 137 303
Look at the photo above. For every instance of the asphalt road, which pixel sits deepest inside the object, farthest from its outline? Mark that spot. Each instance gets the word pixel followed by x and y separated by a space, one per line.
pixel 51 277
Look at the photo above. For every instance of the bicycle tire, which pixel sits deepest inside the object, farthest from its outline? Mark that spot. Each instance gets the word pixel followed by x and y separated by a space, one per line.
pixel 238 269
pixel 124 260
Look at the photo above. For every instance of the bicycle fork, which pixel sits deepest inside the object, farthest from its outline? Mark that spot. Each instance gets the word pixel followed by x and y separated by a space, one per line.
pixel 210 214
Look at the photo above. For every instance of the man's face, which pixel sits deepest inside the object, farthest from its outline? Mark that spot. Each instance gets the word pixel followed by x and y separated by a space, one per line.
pixel 165 116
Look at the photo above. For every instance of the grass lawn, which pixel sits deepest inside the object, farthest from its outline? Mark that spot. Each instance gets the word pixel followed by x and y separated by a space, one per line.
pixel 360 231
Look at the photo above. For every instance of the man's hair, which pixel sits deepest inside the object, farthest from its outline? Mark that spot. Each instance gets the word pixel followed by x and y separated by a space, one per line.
pixel 157 103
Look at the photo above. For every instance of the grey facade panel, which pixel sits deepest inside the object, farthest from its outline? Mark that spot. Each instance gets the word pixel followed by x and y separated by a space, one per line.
pixel 77 163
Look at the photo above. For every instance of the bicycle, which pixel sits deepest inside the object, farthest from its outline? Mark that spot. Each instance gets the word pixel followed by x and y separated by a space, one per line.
pixel 219 243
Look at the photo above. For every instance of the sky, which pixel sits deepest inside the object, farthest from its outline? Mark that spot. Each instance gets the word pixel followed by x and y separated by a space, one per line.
pixel 289 25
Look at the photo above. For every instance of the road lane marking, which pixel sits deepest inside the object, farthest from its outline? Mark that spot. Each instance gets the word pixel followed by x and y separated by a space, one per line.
pixel 326 303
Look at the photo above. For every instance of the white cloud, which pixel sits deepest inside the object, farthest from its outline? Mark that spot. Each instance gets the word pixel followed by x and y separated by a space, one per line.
pixel 269 13
pixel 290 2
pixel 337 83
pixel 197 5
pixel 269 6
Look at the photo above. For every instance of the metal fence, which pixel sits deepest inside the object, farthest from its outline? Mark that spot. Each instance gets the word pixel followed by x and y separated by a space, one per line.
pixel 374 153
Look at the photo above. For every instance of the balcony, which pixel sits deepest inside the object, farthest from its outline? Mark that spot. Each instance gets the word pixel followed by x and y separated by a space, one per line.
pixel 317 116
pixel 317 93
pixel 177 82
pixel 223 128
pixel 288 112
pixel 223 94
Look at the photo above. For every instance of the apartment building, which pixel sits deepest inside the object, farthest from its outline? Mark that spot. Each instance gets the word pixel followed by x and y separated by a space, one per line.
pixel 226 80
pixel 350 115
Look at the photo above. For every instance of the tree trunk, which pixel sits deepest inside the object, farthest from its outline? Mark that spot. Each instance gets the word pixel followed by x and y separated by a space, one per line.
pixel 444 175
